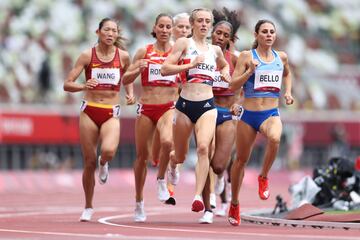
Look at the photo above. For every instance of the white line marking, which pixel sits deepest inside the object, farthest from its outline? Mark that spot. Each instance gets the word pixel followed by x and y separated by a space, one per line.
pixel 106 220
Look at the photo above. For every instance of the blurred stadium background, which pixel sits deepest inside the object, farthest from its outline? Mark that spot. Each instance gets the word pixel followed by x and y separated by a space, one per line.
pixel 41 39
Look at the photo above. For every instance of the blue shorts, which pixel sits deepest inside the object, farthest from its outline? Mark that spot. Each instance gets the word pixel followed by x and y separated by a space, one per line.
pixel 256 118
pixel 194 109
pixel 223 115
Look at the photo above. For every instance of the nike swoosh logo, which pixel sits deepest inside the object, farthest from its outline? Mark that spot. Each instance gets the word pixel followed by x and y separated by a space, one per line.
pixel 96 64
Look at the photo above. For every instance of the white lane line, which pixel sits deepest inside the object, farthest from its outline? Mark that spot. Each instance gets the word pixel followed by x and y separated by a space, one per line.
pixel 118 236
pixel 107 221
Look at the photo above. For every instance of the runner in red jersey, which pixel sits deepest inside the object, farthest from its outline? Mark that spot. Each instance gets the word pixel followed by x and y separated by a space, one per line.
pixel 100 110
pixel 155 109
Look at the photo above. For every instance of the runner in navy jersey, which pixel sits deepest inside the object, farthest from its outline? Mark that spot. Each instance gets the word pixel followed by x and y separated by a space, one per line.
pixel 195 107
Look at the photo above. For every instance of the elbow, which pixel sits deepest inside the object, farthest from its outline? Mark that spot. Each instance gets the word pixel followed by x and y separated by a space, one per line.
pixel 66 88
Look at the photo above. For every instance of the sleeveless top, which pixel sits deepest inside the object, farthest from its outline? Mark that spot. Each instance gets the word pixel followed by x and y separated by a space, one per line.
pixel 203 72
pixel 151 75
pixel 108 74
pixel 220 87
pixel 267 78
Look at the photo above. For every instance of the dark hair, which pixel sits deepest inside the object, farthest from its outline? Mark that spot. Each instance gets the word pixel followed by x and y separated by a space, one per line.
pixel 120 40
pixel 157 20
pixel 228 17
pixel 257 28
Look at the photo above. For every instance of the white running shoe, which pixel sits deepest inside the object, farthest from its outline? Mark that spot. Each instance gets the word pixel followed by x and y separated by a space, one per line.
pixel 222 211
pixel 212 200
pixel 219 185
pixel 139 214
pixel 207 217
pixel 173 175
pixel 162 190
pixel 103 171
pixel 86 215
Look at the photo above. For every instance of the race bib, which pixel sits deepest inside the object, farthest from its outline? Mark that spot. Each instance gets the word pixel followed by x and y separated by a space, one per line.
pixel 203 69
pixel 106 75
pixel 155 75
pixel 218 82
pixel 138 109
pixel 116 111
pixel 268 80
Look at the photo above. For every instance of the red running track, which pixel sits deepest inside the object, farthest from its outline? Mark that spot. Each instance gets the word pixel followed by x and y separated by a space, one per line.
pixel 47 205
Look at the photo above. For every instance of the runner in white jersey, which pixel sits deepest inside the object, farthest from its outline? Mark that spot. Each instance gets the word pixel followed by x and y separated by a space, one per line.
pixel 195 106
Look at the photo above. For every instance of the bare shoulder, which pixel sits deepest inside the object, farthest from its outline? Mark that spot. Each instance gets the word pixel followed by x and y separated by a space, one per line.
pixel 141 52
pixel 181 43
pixel 85 56
pixel 216 48
pixel 283 56
pixel 245 56
pixel 123 53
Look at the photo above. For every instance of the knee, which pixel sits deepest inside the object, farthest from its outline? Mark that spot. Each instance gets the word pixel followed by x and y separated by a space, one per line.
pixel 166 146
pixel 90 165
pixel 239 163
pixel 180 158
pixel 273 140
pixel 202 150
pixel 141 157
pixel 218 168
pixel 108 153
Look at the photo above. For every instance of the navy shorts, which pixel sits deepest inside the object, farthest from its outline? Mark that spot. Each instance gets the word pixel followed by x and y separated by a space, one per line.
pixel 194 109
pixel 223 115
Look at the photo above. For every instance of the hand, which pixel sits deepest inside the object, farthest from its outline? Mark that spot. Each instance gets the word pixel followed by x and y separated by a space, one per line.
pixel 91 84
pixel 288 99
pixel 226 77
pixel 236 109
pixel 142 64
pixel 253 65
pixel 130 99
pixel 197 60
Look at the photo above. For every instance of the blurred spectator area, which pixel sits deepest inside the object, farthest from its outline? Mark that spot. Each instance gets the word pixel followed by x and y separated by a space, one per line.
pixel 40 41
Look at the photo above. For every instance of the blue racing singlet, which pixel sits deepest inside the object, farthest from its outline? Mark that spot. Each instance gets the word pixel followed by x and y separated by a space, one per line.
pixel 267 78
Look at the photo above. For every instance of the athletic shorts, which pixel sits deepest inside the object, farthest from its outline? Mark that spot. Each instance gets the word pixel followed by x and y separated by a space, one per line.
pixel 99 112
pixel 256 118
pixel 154 111
pixel 194 109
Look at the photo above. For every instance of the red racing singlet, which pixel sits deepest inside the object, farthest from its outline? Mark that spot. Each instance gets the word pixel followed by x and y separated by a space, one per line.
pixel 108 74
pixel 220 87
pixel 151 75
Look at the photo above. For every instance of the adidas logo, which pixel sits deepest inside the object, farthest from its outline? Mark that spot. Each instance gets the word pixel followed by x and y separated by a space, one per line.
pixel 207 104
pixel 194 53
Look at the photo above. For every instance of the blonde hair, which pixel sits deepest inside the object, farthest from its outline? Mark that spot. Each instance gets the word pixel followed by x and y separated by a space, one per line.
pixel 196 10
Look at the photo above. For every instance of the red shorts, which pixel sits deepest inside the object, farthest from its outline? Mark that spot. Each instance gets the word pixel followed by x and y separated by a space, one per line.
pixel 100 113
pixel 154 111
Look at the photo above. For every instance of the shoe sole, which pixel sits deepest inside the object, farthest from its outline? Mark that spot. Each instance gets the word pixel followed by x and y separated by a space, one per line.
pixel 101 181
pixel 233 221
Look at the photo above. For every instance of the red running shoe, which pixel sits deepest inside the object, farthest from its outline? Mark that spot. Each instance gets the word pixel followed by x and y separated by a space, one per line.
pixel 197 204
pixel 155 162
pixel 234 215
pixel 264 192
